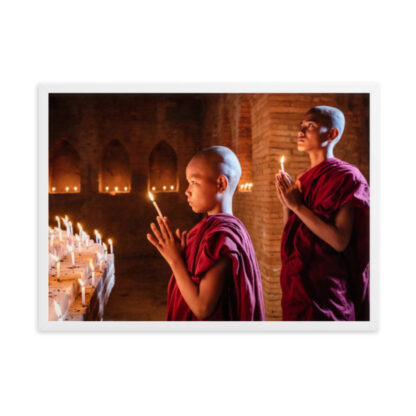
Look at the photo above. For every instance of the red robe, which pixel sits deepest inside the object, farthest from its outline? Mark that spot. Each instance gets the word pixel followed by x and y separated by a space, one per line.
pixel 211 239
pixel 319 283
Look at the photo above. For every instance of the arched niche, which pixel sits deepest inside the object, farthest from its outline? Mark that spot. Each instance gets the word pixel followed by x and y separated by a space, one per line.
pixel 163 169
pixel 244 146
pixel 64 169
pixel 114 173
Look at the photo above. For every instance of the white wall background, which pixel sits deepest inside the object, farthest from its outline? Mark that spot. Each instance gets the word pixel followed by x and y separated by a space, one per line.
pixel 185 374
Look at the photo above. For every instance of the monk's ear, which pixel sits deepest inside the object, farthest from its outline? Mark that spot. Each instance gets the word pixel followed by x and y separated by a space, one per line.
pixel 333 134
pixel 222 183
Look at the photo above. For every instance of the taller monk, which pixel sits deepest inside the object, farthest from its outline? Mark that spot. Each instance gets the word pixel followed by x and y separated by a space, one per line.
pixel 325 242
pixel 215 271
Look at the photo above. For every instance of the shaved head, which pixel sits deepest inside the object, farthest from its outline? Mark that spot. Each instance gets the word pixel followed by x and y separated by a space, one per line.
pixel 222 161
pixel 329 116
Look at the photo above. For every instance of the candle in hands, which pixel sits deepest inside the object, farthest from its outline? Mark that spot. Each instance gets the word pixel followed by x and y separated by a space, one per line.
pixel 156 206
pixel 282 167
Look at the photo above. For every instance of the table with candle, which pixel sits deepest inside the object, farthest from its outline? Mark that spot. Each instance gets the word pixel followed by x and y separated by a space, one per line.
pixel 68 299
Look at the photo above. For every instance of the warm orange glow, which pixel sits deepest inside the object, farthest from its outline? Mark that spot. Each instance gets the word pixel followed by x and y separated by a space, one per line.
pixel 151 196
pixel 67 188
pixel 164 188
pixel 75 188
pixel 126 188
pixel 107 188
pixel 58 310
pixel 153 188
pixel 282 161
pixel 79 226
pixel 53 189
pixel 172 187
pixel 116 188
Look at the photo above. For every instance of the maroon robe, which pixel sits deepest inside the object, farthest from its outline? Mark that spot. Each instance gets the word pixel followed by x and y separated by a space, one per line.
pixel 217 236
pixel 319 283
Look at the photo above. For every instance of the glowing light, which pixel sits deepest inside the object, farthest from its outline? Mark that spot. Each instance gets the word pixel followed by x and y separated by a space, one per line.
pixel 75 188
pixel 164 187
pixel 153 188
pixel 126 188
pixel 282 161
pixel 67 188
pixel 116 188
pixel 155 204
pixel 53 189
pixel 107 188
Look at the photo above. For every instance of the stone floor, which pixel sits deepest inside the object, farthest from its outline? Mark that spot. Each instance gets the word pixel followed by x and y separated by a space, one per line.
pixel 139 293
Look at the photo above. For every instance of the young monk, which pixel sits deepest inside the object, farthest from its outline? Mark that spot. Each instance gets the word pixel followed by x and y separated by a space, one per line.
pixel 215 270
pixel 325 242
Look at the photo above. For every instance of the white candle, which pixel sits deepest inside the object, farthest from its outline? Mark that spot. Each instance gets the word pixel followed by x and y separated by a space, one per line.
pixel 155 204
pixel 59 222
pixel 57 310
pixel 73 258
pixel 92 274
pixel 82 291
pixel 52 240
pixel 282 166
pixel 111 245
pixel 96 236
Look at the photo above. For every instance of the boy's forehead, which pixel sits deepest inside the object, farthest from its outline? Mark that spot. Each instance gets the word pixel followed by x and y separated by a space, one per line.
pixel 198 167
pixel 317 118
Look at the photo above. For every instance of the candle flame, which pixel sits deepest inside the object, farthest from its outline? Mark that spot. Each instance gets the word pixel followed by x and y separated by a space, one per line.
pixel 151 196
pixel 105 246
pixel 58 310
pixel 153 188
pixel 79 226
pixel 75 188
pixel 171 187
pixel 53 189
pixel 125 188
pixel 67 188
pixel 107 188
pixel 282 159
pixel 110 241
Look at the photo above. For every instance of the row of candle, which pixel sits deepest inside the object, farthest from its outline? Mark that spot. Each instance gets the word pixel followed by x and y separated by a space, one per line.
pixel 246 187
pixel 164 187
pixel 67 189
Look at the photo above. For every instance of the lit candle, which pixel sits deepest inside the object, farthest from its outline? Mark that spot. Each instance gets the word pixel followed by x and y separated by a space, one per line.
pixel 107 188
pixel 52 236
pixel 105 251
pixel 155 204
pixel 78 243
pixel 82 291
pixel 71 250
pixel 111 245
pixel 58 310
pixel 116 188
pixel 100 262
pixel 67 188
pixel 125 188
pixel 59 222
pixel 164 187
pixel 71 230
pixel 153 188
pixel 53 189
pixel 282 161
pixel 172 187
pixel 96 236
pixel 75 188
pixel 92 274
pixel 241 187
